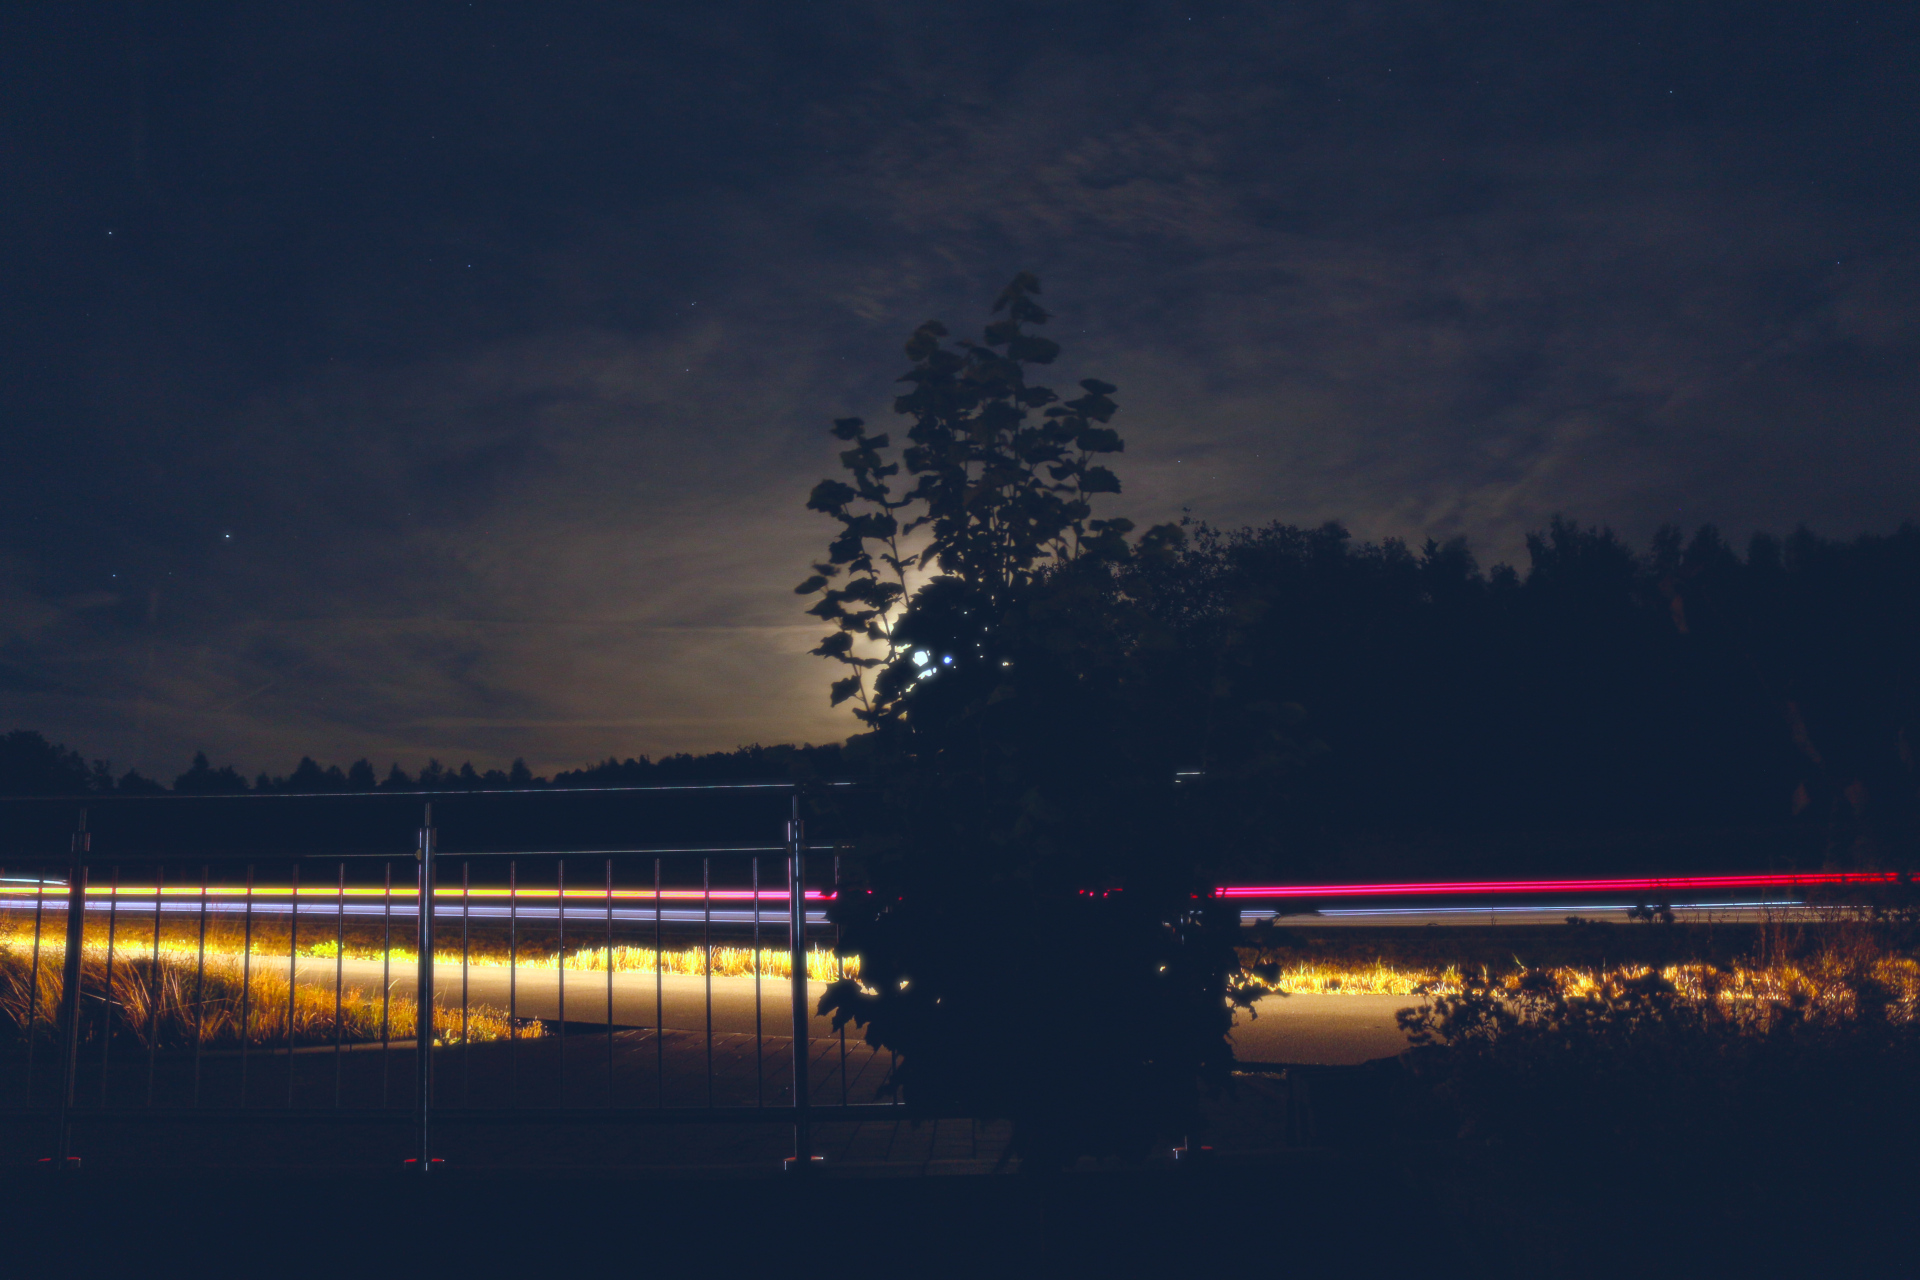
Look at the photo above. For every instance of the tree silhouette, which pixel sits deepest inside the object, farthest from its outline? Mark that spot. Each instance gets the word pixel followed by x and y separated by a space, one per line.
pixel 1604 694
pixel 1003 496
pixel 202 779
pixel 32 766
pixel 1026 766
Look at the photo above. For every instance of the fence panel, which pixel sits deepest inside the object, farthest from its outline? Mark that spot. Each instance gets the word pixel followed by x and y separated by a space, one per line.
pixel 289 971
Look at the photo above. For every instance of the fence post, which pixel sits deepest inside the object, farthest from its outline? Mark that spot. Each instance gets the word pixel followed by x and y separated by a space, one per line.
pixel 423 994
pixel 802 1161
pixel 70 988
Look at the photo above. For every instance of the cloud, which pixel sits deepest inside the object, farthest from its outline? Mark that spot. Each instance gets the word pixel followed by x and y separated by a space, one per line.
pixel 1362 264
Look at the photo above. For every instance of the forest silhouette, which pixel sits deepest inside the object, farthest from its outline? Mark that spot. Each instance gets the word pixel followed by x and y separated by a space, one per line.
pixel 1688 688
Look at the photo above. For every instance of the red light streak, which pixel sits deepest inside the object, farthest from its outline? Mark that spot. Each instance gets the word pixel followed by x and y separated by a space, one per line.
pixel 1637 884
pixel 329 893
pixel 1410 889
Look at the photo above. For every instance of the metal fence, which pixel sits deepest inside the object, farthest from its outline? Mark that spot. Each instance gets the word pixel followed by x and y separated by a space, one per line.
pixel 230 957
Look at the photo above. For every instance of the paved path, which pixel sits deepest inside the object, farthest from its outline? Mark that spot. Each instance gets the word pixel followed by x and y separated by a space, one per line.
pixel 1321 1030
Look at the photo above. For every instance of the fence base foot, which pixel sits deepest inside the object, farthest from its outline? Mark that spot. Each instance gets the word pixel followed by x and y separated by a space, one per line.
pixel 412 1164
pixel 69 1165
pixel 793 1164
pixel 1189 1154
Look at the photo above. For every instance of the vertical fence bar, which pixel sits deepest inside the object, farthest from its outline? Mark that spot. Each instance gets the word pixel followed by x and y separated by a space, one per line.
pixel 839 973
pixel 659 1007
pixel 706 963
pixel 513 981
pixel 466 1065
pixel 423 995
pixel 106 994
pixel 797 956
pixel 153 980
pixel 33 988
pixel 386 982
pixel 246 982
pixel 759 1048
pixel 293 966
pixel 609 982
pixel 339 976
pixel 70 985
pixel 560 915
pixel 200 983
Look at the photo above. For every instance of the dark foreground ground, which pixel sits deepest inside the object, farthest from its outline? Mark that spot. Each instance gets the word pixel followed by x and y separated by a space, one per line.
pixel 1314 1170
pixel 1324 1170
pixel 1409 1212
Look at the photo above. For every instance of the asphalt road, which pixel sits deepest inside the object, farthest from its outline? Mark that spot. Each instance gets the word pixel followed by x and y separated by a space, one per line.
pixel 1329 1030
pixel 1321 1030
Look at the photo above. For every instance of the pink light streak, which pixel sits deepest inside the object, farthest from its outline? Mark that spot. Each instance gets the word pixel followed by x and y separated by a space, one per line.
pixel 1632 884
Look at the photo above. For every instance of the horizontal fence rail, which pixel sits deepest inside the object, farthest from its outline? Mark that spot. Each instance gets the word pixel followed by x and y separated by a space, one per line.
pixel 620 982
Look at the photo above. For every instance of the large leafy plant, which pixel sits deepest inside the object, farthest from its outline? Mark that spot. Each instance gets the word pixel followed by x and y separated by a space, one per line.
pixel 999 479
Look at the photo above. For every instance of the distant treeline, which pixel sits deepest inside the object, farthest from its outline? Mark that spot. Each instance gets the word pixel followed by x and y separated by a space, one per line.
pixel 1685 686
pixel 30 765
pixel 1690 684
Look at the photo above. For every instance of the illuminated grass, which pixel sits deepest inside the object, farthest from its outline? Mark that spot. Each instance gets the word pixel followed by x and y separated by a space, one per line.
pixel 728 962
pixel 1821 984
pixel 179 943
pixel 1310 978
pixel 155 1001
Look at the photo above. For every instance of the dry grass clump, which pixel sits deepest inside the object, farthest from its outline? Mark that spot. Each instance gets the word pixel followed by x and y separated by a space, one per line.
pixel 1321 978
pixel 728 962
pixel 153 1001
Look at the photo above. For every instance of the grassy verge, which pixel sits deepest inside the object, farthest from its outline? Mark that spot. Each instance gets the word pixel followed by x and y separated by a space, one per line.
pixel 1695 1077
pixel 1818 981
pixel 487 945
pixel 1813 964
pixel 173 1002
pixel 1766 963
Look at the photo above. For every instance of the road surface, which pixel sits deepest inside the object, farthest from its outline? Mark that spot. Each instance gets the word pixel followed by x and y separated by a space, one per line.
pixel 1330 1030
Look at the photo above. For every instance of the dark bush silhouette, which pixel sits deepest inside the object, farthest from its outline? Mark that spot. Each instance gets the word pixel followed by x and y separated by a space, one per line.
pixel 1639 1068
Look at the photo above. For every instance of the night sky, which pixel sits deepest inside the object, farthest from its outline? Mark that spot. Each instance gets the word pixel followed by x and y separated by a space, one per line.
pixel 412 379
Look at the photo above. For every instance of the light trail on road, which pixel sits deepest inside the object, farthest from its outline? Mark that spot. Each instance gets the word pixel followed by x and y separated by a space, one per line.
pixel 1416 888
pixel 687 905
pixel 142 902
pixel 1631 884
pixel 530 904
pixel 1533 913
pixel 441 893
